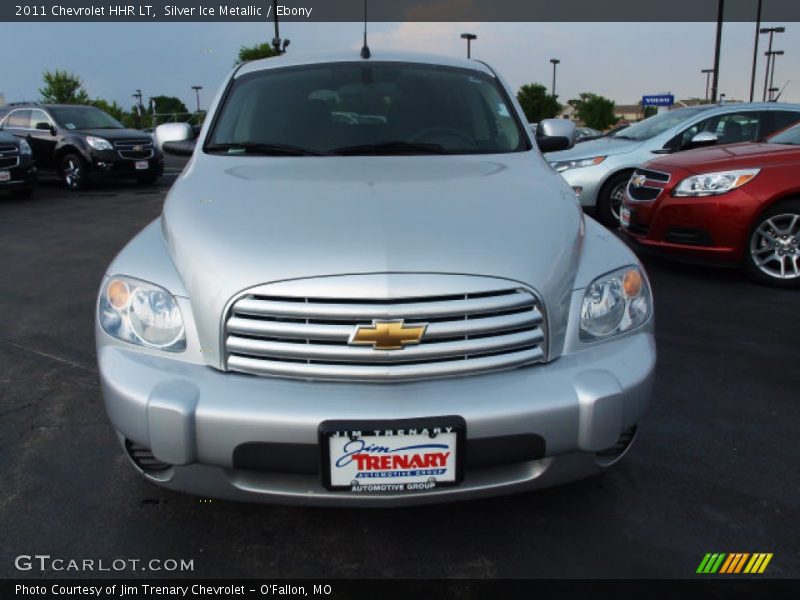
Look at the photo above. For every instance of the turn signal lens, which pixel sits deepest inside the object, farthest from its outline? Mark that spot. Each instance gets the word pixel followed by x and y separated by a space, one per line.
pixel 119 295
pixel 632 283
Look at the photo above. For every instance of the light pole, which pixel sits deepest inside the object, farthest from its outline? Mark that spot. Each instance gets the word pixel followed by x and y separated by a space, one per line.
pixel 555 62
pixel 755 51
pixel 774 54
pixel 469 37
pixel 278 46
pixel 708 73
pixel 139 107
pixel 771 31
pixel 197 89
pixel 717 45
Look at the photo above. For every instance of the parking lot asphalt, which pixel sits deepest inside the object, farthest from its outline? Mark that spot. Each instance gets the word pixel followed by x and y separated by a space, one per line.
pixel 716 467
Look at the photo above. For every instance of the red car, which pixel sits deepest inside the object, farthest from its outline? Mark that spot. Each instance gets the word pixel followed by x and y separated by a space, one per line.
pixel 737 204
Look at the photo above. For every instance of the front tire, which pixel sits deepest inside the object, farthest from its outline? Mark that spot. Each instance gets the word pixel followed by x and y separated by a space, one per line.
pixel 609 200
pixel 772 255
pixel 74 172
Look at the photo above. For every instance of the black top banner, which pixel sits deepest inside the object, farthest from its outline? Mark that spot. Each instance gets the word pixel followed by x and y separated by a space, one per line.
pixel 398 10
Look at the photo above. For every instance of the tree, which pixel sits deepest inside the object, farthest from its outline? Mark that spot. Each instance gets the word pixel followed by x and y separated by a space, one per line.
pixel 113 109
pixel 255 52
pixel 594 111
pixel 537 103
pixel 62 87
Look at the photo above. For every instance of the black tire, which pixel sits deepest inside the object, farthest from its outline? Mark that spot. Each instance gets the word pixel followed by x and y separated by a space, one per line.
pixel 775 241
pixel 24 193
pixel 609 199
pixel 74 172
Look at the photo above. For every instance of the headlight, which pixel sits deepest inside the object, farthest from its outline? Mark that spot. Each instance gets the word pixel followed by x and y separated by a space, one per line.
pixel 141 313
pixel 24 148
pixel 711 184
pixel 566 165
pixel 615 303
pixel 99 143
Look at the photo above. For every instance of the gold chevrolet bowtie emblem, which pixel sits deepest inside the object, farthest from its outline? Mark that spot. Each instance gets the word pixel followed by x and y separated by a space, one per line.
pixel 388 335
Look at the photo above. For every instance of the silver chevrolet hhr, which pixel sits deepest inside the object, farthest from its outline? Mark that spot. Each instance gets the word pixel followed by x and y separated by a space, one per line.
pixel 368 288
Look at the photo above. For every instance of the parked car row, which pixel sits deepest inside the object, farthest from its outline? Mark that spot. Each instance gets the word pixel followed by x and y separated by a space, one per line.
pixel 78 143
pixel 713 183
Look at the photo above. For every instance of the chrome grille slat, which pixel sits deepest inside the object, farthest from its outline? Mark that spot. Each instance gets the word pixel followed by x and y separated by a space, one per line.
pixel 258 366
pixel 308 336
pixel 407 311
pixel 343 353
pixel 442 329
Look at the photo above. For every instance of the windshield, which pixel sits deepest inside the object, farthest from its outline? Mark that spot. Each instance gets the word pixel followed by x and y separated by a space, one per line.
pixel 789 136
pixel 657 124
pixel 366 108
pixel 84 117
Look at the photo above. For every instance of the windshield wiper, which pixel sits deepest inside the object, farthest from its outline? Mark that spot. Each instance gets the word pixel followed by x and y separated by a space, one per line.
pixel 623 137
pixel 262 148
pixel 390 148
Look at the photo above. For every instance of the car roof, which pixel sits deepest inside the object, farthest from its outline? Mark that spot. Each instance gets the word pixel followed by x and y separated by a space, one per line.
pixel 300 59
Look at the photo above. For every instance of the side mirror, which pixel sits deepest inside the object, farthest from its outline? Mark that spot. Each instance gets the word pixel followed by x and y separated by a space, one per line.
pixel 180 147
pixel 173 132
pixel 553 135
pixel 704 138
pixel 46 127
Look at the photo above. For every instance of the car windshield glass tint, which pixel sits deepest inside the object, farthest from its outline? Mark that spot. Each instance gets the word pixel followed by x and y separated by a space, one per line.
pixel 655 125
pixel 366 109
pixel 78 117
pixel 788 136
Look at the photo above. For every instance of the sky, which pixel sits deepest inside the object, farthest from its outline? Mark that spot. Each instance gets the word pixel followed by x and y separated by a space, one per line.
pixel 622 61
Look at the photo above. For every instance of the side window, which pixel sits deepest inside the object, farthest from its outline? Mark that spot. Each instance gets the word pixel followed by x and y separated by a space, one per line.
pixel 782 119
pixel 682 140
pixel 737 127
pixel 19 119
pixel 37 117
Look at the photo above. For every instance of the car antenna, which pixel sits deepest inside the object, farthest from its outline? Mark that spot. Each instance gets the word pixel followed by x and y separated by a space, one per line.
pixel 365 53
pixel 782 90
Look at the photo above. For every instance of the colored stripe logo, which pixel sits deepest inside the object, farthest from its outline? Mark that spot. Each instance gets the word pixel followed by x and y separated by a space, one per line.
pixel 734 562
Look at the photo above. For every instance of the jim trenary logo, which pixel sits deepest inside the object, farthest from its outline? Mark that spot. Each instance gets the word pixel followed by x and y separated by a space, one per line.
pixel 723 563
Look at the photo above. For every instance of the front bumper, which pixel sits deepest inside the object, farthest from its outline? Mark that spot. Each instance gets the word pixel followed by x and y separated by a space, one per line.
pixel 194 417
pixel 23 177
pixel 587 181
pixel 708 229
pixel 110 165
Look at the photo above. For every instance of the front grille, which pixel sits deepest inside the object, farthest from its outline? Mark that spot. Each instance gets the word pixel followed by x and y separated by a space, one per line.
pixel 308 337
pixel 135 149
pixel 9 163
pixel 650 189
pixel 8 149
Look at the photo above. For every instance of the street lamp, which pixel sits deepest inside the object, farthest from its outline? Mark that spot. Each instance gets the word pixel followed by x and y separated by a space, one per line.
pixel 197 89
pixel 773 54
pixel 469 37
pixel 771 31
pixel 708 73
pixel 755 51
pixel 277 46
pixel 555 62
pixel 717 47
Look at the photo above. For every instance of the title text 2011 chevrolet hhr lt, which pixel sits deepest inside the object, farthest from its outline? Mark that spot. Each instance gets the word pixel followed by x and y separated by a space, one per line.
pixel 368 288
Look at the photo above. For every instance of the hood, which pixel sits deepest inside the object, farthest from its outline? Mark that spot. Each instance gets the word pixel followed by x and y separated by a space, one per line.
pixel 116 134
pixel 231 223
pixel 605 146
pixel 732 156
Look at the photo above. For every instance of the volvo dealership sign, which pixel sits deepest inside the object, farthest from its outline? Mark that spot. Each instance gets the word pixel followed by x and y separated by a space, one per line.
pixel 659 100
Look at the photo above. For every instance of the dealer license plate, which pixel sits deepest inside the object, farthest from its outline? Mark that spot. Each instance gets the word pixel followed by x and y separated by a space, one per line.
pixel 625 216
pixel 392 456
pixel 5 176
pixel 141 165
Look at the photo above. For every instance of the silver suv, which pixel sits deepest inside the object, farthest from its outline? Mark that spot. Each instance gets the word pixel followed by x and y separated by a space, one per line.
pixel 368 287
pixel 599 170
